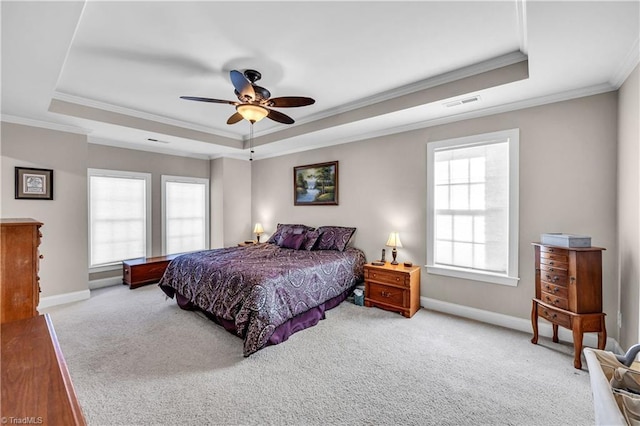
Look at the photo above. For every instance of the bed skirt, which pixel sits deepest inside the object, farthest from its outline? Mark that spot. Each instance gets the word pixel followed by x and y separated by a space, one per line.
pixel 283 331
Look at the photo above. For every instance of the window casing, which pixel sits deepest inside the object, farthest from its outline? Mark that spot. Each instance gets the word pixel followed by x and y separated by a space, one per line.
pixel 119 217
pixel 185 214
pixel 472 207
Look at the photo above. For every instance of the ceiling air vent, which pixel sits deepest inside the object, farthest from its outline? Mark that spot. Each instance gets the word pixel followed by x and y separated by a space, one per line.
pixel 464 101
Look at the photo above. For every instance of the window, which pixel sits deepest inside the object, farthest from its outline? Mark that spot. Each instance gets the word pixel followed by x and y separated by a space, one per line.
pixel 185 214
pixel 472 207
pixel 119 216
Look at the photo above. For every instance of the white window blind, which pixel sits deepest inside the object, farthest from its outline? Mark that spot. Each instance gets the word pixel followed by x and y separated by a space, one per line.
pixel 185 214
pixel 119 216
pixel 472 207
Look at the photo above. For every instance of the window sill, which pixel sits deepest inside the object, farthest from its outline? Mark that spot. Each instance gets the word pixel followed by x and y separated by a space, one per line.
pixel 105 268
pixel 473 275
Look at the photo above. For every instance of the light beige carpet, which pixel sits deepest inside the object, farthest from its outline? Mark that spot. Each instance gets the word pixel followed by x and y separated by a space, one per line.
pixel 137 359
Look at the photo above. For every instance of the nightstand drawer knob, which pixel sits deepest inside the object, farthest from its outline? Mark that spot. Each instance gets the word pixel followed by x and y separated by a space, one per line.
pixel 385 294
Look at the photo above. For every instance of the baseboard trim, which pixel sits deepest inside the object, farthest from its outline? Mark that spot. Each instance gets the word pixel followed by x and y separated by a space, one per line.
pixel 514 323
pixel 62 299
pixel 105 282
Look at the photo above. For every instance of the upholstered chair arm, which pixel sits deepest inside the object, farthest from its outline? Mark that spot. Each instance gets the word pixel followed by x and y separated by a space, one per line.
pixel 630 356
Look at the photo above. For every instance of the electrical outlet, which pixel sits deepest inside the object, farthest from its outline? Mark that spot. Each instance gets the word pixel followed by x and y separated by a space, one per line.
pixel 619 319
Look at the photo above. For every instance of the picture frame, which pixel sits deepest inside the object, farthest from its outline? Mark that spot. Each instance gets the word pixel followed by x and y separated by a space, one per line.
pixel 33 184
pixel 316 184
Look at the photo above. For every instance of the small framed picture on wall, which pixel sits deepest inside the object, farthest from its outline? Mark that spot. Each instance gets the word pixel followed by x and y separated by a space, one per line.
pixel 34 184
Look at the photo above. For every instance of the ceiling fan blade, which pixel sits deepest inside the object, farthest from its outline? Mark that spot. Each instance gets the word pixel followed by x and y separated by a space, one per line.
pixel 280 117
pixel 234 118
pixel 291 101
pixel 242 85
pixel 215 101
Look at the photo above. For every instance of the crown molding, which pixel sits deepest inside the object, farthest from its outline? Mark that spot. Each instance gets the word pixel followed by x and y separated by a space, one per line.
pixel 116 143
pixel 499 109
pixel 91 103
pixel 438 80
pixel 627 65
pixel 44 124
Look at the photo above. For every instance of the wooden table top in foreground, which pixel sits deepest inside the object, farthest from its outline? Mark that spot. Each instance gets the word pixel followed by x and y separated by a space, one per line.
pixel 36 387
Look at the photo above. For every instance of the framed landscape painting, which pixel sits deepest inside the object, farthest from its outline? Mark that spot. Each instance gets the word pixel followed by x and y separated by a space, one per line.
pixel 34 184
pixel 316 184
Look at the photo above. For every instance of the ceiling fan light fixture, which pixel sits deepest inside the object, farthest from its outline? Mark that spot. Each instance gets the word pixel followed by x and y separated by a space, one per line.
pixel 252 113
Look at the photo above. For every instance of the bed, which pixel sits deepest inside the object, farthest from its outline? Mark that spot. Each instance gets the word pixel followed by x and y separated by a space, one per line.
pixel 264 293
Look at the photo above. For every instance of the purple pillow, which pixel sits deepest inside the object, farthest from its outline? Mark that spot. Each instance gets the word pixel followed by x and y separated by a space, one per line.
pixel 284 228
pixel 293 241
pixel 334 237
pixel 310 238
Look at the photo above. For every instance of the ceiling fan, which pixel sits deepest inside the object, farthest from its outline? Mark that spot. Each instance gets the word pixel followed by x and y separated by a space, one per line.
pixel 255 102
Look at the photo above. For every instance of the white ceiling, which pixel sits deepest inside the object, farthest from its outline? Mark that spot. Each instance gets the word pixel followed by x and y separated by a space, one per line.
pixel 115 70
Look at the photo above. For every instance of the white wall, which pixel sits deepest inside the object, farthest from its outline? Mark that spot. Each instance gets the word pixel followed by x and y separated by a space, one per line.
pixel 567 184
pixel 629 209
pixel 231 202
pixel 64 241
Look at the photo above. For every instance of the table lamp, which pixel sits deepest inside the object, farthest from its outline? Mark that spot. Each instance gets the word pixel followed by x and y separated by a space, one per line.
pixel 394 241
pixel 258 230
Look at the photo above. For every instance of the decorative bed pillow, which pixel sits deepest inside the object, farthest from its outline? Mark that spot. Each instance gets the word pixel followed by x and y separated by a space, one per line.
pixel 334 237
pixel 310 238
pixel 293 241
pixel 283 229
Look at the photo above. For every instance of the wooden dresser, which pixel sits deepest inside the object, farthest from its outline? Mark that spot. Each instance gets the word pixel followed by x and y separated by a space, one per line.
pixel 19 281
pixel 392 287
pixel 569 293
pixel 36 386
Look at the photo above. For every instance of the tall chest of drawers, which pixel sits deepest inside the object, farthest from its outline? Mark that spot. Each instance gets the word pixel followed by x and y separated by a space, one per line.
pixel 569 293
pixel 19 281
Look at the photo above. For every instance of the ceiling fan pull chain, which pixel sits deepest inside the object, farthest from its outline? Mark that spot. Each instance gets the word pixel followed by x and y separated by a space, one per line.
pixel 251 142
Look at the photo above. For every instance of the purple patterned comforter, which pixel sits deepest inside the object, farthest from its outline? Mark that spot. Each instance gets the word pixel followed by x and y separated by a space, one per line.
pixel 261 287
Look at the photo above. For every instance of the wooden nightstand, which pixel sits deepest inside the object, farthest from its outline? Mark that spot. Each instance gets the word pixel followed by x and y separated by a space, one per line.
pixel 248 243
pixel 392 287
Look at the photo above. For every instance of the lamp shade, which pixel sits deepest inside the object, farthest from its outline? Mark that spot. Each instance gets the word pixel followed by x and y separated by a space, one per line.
pixel 252 113
pixel 258 229
pixel 394 240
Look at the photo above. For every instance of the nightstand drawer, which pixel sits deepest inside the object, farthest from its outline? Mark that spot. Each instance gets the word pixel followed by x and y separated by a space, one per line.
pixel 387 277
pixel 386 294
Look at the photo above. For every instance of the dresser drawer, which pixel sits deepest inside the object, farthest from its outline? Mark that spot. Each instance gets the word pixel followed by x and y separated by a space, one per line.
pixel 554 250
pixel 387 277
pixel 554 289
pixel 554 263
pixel 554 316
pixel 553 257
pixel 555 300
pixel 553 276
pixel 386 294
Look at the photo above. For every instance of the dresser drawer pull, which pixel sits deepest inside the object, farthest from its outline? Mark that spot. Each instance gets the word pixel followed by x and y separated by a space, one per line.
pixel 552 301
pixel 554 279
pixel 554 316
pixel 385 294
pixel 554 289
